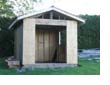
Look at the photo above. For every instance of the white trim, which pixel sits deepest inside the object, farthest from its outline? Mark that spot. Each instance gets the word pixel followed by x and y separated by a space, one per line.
pixel 59 38
pixel 68 14
pixel 35 13
pixel 46 10
pixel 13 23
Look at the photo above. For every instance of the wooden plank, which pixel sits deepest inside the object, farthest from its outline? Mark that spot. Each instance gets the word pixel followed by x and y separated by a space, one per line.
pixel 41 43
pixel 50 22
pixel 47 43
pixel 37 46
pixel 52 44
pixel 62 53
pixel 57 45
pixel 46 46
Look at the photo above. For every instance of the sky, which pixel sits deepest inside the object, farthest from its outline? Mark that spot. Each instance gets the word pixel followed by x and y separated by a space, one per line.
pixel 91 7
pixel 77 7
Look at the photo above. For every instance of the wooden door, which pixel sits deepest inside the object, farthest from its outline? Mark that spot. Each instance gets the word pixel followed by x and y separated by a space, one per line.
pixel 46 44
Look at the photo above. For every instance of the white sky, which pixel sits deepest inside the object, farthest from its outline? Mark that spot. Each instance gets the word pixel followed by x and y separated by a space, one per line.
pixel 75 6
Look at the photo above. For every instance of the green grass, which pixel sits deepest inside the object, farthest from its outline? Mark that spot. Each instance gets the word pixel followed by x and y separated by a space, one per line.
pixel 86 68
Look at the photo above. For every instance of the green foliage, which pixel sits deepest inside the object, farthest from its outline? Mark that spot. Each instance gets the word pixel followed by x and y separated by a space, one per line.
pixel 5 9
pixel 88 33
pixel 6 38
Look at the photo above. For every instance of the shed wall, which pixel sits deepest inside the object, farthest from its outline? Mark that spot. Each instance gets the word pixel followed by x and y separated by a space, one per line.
pixel 18 42
pixel 28 41
pixel 71 30
pixel 29 45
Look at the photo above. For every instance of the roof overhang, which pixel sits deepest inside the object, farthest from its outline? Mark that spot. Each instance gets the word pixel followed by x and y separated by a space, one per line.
pixel 46 10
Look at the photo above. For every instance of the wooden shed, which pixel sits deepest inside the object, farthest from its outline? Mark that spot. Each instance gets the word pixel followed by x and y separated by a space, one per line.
pixel 38 37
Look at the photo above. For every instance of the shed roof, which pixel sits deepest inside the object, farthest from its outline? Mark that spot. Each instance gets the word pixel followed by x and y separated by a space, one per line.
pixel 52 8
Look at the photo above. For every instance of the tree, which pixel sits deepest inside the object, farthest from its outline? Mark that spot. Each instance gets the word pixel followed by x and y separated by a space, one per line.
pixel 89 33
pixel 6 35
pixel 21 7
pixel 5 9
pixel 6 38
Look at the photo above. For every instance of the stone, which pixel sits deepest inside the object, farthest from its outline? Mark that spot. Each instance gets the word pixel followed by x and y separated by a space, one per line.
pixel 20 70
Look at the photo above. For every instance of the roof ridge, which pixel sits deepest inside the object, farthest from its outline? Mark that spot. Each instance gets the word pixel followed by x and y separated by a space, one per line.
pixel 46 10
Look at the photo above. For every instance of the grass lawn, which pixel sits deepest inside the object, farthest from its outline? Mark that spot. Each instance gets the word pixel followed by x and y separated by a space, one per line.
pixel 86 68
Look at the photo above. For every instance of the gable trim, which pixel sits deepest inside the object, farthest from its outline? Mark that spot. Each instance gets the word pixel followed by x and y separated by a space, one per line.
pixel 46 10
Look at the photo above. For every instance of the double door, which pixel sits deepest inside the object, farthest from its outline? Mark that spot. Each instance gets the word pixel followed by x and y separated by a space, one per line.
pixel 46 45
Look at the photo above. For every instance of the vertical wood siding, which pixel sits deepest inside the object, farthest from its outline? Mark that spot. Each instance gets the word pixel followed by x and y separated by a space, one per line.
pixel 46 44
